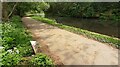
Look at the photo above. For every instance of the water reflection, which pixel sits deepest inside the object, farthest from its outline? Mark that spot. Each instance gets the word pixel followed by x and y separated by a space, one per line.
pixel 103 27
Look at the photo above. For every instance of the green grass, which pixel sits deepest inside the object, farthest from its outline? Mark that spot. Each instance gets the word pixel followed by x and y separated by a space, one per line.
pixel 115 42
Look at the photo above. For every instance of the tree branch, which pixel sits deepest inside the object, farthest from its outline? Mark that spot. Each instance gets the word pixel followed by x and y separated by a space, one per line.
pixel 12 9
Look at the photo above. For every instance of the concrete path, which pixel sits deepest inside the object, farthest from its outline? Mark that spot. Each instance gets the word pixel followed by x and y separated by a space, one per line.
pixel 73 49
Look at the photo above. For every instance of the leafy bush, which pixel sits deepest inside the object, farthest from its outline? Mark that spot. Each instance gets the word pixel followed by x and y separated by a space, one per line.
pixel 15 35
pixel 11 59
pixel 8 42
pixel 26 51
pixel 102 38
pixel 41 59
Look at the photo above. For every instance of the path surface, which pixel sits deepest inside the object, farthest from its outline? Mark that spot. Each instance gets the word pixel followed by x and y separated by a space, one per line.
pixel 72 49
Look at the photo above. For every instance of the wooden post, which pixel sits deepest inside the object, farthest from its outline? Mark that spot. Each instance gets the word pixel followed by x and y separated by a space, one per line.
pixel 33 43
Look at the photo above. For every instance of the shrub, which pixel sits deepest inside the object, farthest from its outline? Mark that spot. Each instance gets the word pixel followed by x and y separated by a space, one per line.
pixel 11 58
pixel 41 59
pixel 15 35
pixel 26 51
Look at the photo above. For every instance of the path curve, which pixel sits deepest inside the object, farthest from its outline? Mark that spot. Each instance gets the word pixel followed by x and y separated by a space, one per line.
pixel 73 49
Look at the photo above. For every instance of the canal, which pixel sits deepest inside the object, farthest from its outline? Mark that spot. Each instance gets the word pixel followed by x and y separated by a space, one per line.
pixel 110 28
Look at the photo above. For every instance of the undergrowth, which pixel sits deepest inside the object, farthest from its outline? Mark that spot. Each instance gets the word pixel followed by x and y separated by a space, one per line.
pixel 16 42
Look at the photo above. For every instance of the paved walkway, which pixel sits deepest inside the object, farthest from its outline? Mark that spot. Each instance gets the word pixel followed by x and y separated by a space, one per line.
pixel 72 49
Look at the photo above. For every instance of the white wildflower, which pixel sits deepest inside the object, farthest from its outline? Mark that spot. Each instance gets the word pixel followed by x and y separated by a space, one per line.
pixel 15 48
pixel 10 51
pixel 33 55
pixel 17 51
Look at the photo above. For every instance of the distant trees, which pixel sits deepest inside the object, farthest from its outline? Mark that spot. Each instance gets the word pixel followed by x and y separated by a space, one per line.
pixel 104 10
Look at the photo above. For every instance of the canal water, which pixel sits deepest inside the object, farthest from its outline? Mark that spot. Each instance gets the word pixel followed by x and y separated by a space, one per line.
pixel 110 28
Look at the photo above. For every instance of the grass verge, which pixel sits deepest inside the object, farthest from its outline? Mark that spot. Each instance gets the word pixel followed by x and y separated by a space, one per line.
pixel 115 42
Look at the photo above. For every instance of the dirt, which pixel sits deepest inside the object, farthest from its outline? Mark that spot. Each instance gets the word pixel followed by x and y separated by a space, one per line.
pixel 69 48
pixel 42 47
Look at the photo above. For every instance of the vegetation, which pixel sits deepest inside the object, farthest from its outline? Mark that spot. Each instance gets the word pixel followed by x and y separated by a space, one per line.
pixel 102 38
pixel 16 39
pixel 107 11
pixel 14 35
pixel 16 43
pixel 11 58
pixel 41 59
pixel 21 8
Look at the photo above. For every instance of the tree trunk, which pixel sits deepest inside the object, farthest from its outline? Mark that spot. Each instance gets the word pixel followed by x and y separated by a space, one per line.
pixel 4 11
pixel 12 10
pixel 0 11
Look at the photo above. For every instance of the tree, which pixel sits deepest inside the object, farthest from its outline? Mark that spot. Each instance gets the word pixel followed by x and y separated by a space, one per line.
pixel 20 8
pixel 85 9
pixel 4 11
